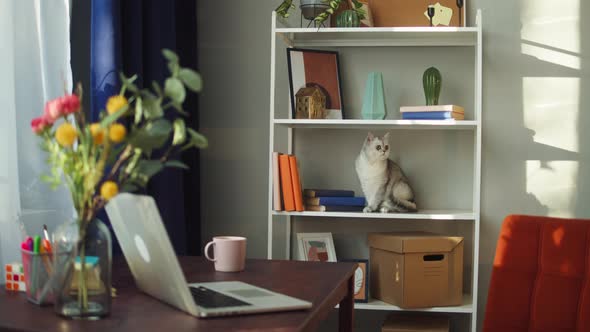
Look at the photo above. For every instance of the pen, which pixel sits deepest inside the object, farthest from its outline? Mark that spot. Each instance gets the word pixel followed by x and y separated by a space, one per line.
pixel 45 233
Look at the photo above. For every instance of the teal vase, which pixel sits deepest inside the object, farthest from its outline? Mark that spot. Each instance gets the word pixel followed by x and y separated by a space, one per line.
pixel 432 82
pixel 348 19
pixel 374 100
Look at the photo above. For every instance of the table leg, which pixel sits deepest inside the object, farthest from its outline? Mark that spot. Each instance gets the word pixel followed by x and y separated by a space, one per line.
pixel 346 311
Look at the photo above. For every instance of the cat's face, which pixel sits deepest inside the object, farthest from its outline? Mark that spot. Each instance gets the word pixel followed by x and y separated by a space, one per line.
pixel 377 148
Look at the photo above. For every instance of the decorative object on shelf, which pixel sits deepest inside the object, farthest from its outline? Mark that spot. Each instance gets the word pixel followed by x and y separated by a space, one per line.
pixel 460 6
pixel 348 19
pixel 435 112
pixel 316 68
pixel 374 100
pixel 100 159
pixel 318 11
pixel 310 103
pixel 430 13
pixel 432 82
pixel 439 14
pixel 404 13
pixel 367 21
pixel 383 182
pixel 316 247
pixel 361 280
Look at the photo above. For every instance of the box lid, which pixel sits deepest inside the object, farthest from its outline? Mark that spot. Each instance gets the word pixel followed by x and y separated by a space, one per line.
pixel 413 242
pixel 397 322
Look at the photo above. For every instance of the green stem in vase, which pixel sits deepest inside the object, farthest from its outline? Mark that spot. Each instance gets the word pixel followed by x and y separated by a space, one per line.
pixel 82 288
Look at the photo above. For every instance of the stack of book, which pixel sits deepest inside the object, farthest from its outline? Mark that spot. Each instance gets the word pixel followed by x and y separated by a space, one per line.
pixel 332 200
pixel 287 194
pixel 434 112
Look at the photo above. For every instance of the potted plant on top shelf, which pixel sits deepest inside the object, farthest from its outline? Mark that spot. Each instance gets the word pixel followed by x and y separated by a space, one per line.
pixel 318 11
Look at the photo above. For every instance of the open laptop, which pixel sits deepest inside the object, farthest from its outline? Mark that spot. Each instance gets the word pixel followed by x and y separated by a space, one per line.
pixel 151 258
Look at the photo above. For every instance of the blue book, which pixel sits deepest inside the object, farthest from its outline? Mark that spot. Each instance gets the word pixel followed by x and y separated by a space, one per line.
pixel 336 201
pixel 432 115
pixel 327 193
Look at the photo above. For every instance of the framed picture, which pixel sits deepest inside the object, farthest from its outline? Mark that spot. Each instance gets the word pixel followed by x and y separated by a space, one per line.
pixel 316 68
pixel 316 247
pixel 361 280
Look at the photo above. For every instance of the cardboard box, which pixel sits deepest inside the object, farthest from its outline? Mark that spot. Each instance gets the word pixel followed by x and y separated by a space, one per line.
pixel 416 270
pixel 399 322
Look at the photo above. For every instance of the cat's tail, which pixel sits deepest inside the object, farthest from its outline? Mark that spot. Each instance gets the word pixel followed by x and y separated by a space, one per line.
pixel 403 205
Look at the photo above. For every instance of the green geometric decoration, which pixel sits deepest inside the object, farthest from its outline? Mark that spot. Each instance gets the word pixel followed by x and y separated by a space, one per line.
pixel 374 100
pixel 348 19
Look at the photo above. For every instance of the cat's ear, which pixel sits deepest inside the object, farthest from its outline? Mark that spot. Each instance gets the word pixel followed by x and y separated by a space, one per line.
pixel 386 137
pixel 370 137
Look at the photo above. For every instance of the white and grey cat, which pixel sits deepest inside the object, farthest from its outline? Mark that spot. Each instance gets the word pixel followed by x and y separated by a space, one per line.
pixel 385 186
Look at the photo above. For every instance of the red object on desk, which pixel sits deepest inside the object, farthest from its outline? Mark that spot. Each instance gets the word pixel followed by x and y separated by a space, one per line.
pixel 323 284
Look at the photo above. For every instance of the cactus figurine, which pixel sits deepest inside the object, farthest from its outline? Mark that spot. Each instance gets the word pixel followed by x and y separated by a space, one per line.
pixel 348 19
pixel 432 82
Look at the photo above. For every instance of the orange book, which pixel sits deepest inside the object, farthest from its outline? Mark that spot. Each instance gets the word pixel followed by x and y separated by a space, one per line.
pixel 286 183
pixel 297 195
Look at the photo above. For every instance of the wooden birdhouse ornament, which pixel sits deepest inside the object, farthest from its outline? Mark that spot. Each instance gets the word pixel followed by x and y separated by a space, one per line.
pixel 310 103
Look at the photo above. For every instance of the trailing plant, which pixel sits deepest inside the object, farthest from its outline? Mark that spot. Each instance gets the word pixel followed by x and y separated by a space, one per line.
pixel 283 9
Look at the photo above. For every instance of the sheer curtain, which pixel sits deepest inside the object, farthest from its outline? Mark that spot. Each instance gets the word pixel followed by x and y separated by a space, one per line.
pixel 34 67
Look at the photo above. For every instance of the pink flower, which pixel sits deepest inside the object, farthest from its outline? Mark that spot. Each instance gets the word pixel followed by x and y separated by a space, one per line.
pixel 70 104
pixel 53 110
pixel 39 124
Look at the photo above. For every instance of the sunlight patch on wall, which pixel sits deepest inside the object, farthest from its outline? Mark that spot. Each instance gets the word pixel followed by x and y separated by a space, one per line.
pixel 550 107
pixel 552 23
pixel 554 184
pixel 552 56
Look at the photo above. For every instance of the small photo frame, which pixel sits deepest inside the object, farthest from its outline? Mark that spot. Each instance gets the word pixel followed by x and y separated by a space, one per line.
pixel 316 68
pixel 316 247
pixel 361 280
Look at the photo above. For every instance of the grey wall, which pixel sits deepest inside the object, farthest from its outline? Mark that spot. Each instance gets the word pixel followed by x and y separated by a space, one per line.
pixel 536 81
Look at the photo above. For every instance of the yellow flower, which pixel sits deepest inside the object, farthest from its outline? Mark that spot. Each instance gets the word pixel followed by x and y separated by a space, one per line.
pixel 66 135
pixel 117 132
pixel 109 189
pixel 97 133
pixel 115 103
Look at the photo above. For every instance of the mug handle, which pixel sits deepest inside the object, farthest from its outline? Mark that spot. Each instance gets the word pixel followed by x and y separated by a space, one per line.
pixel 206 250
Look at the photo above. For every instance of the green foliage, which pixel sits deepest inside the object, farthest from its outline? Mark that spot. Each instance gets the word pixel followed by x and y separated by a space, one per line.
pixel 155 125
pixel 283 9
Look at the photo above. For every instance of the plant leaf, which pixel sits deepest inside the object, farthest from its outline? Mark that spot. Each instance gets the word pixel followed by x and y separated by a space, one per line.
pixel 145 170
pixel 174 68
pixel 170 55
pixel 191 79
pixel 197 139
pixel 179 132
pixel 157 88
pixel 129 188
pixel 107 120
pixel 174 89
pixel 153 136
pixel 176 164
pixel 153 108
pixel 138 110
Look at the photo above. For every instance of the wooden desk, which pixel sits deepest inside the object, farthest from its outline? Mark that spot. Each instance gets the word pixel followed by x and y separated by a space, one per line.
pixel 323 284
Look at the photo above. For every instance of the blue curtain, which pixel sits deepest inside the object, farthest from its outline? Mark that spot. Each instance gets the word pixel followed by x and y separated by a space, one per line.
pixel 128 36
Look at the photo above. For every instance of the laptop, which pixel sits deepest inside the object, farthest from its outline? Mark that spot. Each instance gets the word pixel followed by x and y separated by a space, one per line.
pixel 151 258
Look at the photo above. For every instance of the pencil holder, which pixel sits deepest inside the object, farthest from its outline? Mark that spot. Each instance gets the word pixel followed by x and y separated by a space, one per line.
pixel 38 270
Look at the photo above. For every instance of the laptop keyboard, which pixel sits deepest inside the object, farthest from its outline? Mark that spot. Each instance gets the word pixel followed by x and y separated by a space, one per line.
pixel 207 298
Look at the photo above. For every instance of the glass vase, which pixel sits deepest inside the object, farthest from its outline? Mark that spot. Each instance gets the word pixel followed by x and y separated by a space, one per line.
pixel 83 261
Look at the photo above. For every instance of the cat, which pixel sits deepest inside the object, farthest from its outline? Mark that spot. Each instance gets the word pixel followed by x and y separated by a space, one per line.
pixel 385 186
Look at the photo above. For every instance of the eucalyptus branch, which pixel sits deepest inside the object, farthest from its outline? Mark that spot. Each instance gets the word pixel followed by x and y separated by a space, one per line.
pixel 125 155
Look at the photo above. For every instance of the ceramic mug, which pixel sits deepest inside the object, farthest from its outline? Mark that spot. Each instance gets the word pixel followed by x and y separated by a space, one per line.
pixel 229 253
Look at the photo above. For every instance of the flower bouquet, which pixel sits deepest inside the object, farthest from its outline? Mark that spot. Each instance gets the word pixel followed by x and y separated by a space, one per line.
pixel 138 135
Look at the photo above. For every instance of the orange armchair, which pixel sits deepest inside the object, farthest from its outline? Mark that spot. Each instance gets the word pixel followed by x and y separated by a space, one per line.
pixel 541 276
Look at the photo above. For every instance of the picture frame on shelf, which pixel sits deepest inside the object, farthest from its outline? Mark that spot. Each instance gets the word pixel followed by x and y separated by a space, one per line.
pixel 361 280
pixel 316 68
pixel 402 13
pixel 316 247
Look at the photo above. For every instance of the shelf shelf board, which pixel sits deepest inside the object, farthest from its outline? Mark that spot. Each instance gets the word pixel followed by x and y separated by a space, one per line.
pixel 368 124
pixel 373 304
pixel 398 36
pixel 421 215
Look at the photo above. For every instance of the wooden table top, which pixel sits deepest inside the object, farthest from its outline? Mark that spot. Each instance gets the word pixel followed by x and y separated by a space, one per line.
pixel 322 284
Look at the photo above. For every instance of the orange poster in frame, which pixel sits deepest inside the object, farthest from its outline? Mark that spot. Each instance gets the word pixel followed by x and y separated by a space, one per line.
pixel 412 13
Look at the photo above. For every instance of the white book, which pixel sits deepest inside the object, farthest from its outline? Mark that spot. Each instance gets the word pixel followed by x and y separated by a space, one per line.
pixel 432 108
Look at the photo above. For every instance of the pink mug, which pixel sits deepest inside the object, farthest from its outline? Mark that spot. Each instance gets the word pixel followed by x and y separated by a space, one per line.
pixel 229 253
